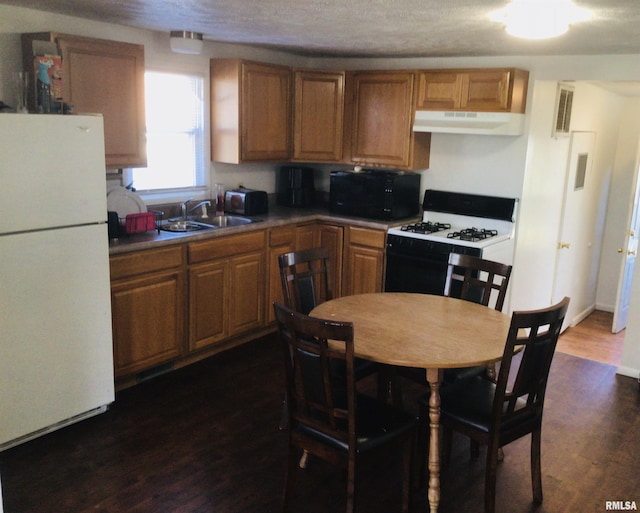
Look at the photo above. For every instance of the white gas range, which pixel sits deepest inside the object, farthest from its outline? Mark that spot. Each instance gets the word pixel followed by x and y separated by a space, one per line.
pixel 452 222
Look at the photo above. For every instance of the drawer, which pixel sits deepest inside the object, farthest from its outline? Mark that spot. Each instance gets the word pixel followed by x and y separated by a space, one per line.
pixel 141 262
pixel 226 246
pixel 367 237
pixel 282 236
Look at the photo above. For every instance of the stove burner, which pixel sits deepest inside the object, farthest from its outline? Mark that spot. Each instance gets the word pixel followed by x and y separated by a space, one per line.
pixel 473 234
pixel 425 227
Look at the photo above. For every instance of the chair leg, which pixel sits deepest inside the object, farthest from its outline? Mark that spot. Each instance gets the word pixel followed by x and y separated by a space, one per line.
pixel 289 479
pixel 284 418
pixel 351 485
pixel 389 390
pixel 536 466
pixel 490 478
pixel 407 464
pixel 474 449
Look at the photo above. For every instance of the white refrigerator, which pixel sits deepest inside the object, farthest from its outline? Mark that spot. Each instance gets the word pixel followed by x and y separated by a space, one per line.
pixel 56 357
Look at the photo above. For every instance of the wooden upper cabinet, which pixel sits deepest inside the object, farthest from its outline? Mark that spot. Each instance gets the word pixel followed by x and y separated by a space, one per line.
pixel 382 119
pixel 250 111
pixel 481 90
pixel 105 77
pixel 318 115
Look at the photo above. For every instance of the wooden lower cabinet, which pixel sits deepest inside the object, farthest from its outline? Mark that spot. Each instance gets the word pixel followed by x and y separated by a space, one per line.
pixel 364 260
pixel 226 288
pixel 147 304
pixel 178 303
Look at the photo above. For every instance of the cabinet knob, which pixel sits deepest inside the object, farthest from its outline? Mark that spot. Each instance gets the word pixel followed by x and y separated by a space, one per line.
pixel 563 245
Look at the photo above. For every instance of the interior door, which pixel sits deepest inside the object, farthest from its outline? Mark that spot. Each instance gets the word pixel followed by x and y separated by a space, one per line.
pixel 573 273
pixel 627 263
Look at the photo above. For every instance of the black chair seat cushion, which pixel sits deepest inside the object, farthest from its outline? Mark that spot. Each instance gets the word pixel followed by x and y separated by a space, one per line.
pixel 363 368
pixel 470 402
pixel 377 423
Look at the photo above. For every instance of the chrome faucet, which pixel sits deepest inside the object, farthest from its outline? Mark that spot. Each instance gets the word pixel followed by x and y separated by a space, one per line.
pixel 183 208
pixel 202 204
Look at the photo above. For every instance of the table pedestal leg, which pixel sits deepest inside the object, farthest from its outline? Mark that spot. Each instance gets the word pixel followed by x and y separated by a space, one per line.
pixel 434 377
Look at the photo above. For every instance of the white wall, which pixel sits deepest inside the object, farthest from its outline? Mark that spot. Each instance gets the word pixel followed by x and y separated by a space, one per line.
pixel 540 207
pixel 594 109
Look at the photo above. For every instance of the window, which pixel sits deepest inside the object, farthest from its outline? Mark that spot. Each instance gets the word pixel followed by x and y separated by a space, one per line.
pixel 175 133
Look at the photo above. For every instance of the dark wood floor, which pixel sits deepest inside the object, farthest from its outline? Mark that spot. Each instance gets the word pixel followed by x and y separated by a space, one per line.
pixel 206 439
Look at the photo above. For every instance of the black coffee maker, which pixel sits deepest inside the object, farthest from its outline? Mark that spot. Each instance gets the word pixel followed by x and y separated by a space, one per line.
pixel 294 186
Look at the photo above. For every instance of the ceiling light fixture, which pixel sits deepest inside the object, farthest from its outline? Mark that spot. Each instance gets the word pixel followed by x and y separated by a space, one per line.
pixel 183 41
pixel 539 19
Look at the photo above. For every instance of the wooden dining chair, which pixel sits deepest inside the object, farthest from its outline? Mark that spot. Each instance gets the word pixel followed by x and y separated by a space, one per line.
pixel 472 279
pixel 479 280
pixel 476 279
pixel 305 277
pixel 496 412
pixel 327 417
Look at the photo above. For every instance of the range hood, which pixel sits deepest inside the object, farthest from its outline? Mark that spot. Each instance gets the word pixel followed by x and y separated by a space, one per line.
pixel 480 123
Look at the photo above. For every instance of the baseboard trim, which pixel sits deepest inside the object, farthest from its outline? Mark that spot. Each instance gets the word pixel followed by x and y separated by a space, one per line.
pixel 629 372
pixel 582 315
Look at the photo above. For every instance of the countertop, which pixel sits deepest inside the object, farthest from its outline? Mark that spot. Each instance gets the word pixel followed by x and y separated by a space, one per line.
pixel 277 216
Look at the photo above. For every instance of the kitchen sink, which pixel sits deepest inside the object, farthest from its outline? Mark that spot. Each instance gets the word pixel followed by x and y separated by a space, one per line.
pixel 184 226
pixel 195 223
pixel 228 220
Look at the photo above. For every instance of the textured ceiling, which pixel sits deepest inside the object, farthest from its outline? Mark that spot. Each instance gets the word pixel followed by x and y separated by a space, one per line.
pixel 363 28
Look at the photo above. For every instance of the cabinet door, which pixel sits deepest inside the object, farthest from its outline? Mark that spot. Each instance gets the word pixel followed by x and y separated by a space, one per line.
pixel 331 237
pixel 265 112
pixel 382 118
pixel 439 90
pixel 306 236
pixel 318 115
pixel 207 304
pixel 107 77
pixel 478 90
pixel 246 293
pixel 364 261
pixel 364 270
pixel 485 91
pixel 147 321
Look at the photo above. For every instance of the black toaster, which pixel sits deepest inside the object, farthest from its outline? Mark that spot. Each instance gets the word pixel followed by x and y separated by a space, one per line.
pixel 246 202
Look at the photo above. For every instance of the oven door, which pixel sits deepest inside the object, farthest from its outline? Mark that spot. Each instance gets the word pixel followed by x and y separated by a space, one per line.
pixel 415 265
pixel 409 273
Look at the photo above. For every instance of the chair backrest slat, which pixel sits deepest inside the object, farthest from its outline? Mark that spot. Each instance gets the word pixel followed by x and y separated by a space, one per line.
pixel 477 279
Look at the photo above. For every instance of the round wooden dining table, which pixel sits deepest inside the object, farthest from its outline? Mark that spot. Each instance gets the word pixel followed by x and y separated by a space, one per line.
pixel 424 331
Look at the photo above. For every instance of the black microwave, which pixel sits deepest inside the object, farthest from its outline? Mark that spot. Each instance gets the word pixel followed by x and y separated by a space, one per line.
pixel 375 194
